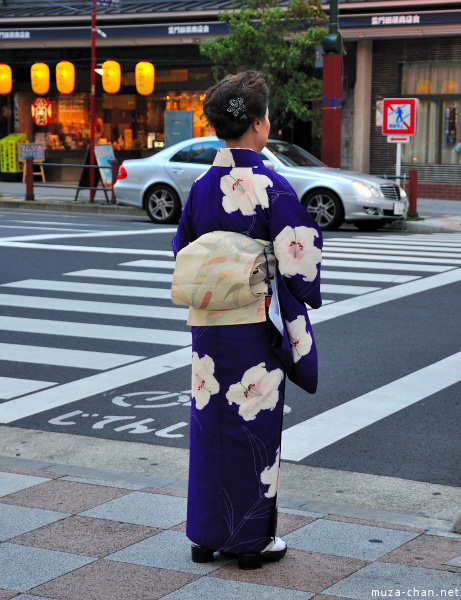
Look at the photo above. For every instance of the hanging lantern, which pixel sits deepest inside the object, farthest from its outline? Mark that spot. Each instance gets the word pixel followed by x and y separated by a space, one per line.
pixel 65 77
pixel 6 79
pixel 40 77
pixel 145 76
pixel 41 111
pixel 111 76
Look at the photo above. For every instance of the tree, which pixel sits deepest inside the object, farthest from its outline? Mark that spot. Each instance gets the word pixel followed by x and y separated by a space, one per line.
pixel 279 42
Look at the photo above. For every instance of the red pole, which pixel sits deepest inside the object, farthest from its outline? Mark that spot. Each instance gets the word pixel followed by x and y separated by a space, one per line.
pixel 114 167
pixel 93 98
pixel 331 110
pixel 413 193
pixel 29 179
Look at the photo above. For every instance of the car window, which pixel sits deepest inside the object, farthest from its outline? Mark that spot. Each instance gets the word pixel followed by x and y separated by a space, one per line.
pixel 181 156
pixel 204 152
pixel 292 155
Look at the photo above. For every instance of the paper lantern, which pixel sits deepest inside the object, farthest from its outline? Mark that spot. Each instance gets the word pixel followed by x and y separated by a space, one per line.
pixel 65 77
pixel 111 76
pixel 6 79
pixel 40 77
pixel 41 111
pixel 145 76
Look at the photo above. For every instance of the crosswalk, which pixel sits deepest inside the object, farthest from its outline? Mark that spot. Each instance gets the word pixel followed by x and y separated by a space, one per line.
pixel 102 328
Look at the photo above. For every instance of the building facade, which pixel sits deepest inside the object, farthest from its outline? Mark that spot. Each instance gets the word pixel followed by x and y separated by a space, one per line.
pixel 398 49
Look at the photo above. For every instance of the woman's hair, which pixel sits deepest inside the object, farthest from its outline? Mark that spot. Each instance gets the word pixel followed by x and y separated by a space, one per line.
pixel 234 103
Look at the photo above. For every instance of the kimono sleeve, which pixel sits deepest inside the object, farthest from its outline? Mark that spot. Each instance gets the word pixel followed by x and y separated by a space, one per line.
pixel 297 241
pixel 185 233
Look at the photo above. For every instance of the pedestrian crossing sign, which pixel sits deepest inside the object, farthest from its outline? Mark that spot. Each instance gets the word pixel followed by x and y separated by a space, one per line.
pixel 399 116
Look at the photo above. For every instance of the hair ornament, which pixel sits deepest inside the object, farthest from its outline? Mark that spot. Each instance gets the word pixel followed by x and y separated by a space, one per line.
pixel 237 106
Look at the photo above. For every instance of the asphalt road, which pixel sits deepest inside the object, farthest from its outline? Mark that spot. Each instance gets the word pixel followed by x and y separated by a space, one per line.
pixel 90 344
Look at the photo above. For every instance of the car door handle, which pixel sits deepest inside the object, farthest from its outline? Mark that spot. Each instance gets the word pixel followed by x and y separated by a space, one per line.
pixel 178 171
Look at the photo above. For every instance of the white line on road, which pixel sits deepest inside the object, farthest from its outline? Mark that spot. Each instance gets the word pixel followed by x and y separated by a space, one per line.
pixel 419 255
pixel 91 288
pixel 92 249
pixel 361 264
pixel 380 243
pixel 338 309
pixel 63 357
pixel 10 387
pixel 331 288
pixel 33 404
pixel 325 429
pixel 46 228
pixel 128 275
pixel 98 234
pixel 378 277
pixel 150 264
pixel 141 335
pixel 100 308
pixel 375 255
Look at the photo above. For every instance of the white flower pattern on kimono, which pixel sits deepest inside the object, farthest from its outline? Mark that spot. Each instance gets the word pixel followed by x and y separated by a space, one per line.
pixel 257 390
pixel 270 476
pixel 243 190
pixel 224 158
pixel 300 339
pixel 204 383
pixel 295 251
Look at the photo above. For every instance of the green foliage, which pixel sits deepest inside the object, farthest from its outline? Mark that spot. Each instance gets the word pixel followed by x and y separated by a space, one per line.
pixel 279 42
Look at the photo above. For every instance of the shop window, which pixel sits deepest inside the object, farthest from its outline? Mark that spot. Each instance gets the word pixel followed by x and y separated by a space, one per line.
pixel 438 140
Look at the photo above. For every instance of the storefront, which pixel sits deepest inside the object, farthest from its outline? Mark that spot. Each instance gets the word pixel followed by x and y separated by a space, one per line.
pixel 133 123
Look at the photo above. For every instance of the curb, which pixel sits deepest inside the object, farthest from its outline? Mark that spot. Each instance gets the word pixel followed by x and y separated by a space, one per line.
pixel 94 208
pixel 286 504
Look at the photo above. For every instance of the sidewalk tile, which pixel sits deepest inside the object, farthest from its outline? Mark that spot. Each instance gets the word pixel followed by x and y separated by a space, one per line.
pixel 29 597
pixel 31 472
pixel 64 496
pixel 347 539
pixel 12 482
pixel 210 588
pixel 83 535
pixel 455 562
pixel 107 580
pixel 143 509
pixel 16 520
pixel 167 550
pixel 166 492
pixel 384 576
pixel 298 570
pixel 374 523
pixel 5 595
pixel 287 523
pixel 426 551
pixel 325 597
pixel 23 567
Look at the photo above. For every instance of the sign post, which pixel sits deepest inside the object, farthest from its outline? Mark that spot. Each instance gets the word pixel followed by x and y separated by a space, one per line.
pixel 399 124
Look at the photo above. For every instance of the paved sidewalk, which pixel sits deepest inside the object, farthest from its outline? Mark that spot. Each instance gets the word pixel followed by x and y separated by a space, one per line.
pixel 434 216
pixel 70 533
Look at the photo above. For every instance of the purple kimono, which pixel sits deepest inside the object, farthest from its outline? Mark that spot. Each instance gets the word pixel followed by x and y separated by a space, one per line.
pixel 238 371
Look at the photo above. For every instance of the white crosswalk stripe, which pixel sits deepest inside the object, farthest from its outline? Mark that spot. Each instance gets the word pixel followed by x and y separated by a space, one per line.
pixel 395 265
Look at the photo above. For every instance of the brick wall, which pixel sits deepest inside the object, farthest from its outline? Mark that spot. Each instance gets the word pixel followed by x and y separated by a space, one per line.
pixel 438 191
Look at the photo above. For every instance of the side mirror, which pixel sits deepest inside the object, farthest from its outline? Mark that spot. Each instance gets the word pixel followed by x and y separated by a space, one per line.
pixel 269 164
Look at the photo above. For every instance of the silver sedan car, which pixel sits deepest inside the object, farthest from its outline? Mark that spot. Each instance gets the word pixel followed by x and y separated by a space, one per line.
pixel 161 183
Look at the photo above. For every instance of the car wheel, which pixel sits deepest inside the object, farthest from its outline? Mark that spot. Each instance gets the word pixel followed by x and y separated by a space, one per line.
pixel 326 208
pixel 369 225
pixel 162 204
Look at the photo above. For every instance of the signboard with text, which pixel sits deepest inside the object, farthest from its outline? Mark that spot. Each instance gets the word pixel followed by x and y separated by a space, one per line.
pixel 399 116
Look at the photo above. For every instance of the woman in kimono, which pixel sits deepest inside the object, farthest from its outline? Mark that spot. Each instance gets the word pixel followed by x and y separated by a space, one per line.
pixel 238 375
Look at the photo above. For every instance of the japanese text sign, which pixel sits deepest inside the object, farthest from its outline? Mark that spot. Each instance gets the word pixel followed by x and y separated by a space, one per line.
pixel 399 116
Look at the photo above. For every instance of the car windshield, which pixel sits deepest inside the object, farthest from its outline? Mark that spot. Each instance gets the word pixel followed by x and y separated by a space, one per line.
pixel 293 156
